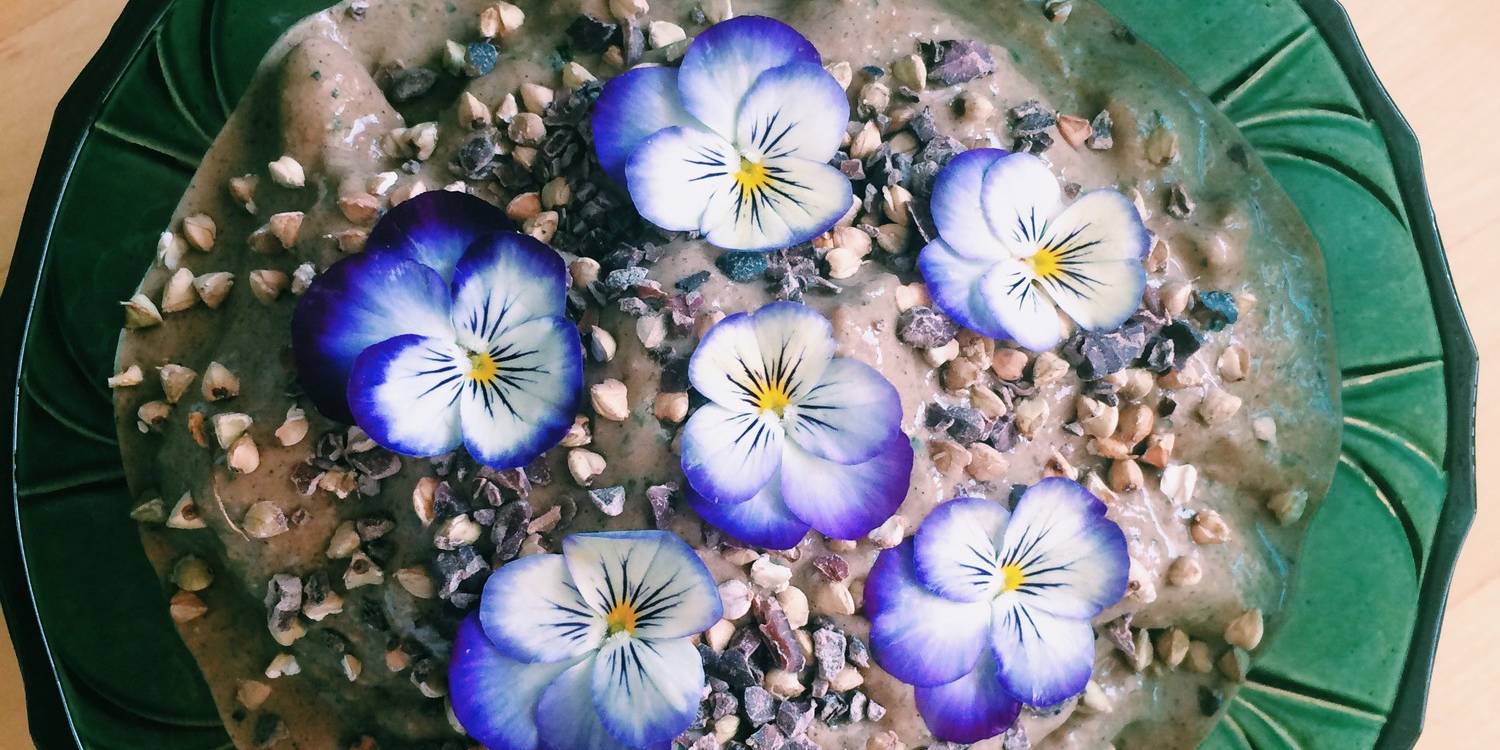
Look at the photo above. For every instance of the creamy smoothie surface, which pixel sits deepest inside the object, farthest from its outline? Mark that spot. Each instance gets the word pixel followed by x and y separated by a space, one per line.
pixel 319 578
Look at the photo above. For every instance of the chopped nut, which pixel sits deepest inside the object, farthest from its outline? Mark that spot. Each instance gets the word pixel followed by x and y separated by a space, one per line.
pixel 842 72
pixel 842 263
pixel 287 172
pixel 417 582
pixel 866 142
pixel 1095 699
pixel 794 605
pixel 651 331
pixel 543 226
pixel 179 295
pixel 1031 413
pixel 1234 664
pixel 424 499
pixel 1161 145
pixel 527 129
pixel 127 378
pixel 362 571
pixel 294 429
pixel 1097 418
pixel 1199 658
pixel 584 271
pixel 213 288
pixel 940 355
pixel 1159 450
pixel 150 511
pixel 175 380
pixel 874 98
pixel 1264 429
pixel 767 574
pixel 185 514
pixel 611 400
pixel 895 239
pixel 1009 364
pixel 242 189
pixel 186 607
pixel 575 76
pixel 1074 129
pixel 154 414
pixel 243 455
pixel 1288 506
pixel 200 231
pixel 664 34
pixel 302 278
pixel 895 200
pixel 557 193
pixel 890 533
pixel 783 684
pixel 251 694
pixel 834 598
pixel 585 465
pixel 264 520
pixel 960 374
pixel 579 434
pixel 458 531
pixel 1209 528
pixel 140 312
pixel 524 207
pixel 1139 585
pixel 1234 363
pixel 1136 422
pixel 1179 482
pixel 351 667
pixel 283 665
pixel 191 573
pixel 948 457
pixel 988 402
pixel 219 383
pixel 1175 296
pixel 344 542
pixel 1172 646
pixel 601 344
pixel 1246 630
pixel 1218 406
pixel 987 464
pixel 911 71
pixel 267 284
pixel 671 407
pixel 1144 651
pixel 735 596
pixel 1138 384
pixel 1125 476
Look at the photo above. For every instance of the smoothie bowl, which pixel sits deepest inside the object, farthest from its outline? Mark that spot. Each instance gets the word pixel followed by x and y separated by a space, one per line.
pixel 785 375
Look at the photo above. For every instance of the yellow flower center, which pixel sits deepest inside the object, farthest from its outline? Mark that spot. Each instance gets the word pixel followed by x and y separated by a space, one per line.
pixel 1011 578
pixel 1046 263
pixel 773 398
pixel 752 175
pixel 483 368
pixel 621 619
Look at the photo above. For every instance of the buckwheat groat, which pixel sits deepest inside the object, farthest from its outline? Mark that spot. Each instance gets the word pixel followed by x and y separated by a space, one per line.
pixel 320 577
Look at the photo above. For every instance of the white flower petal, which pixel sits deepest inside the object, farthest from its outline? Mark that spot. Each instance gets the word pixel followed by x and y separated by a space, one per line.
pixel 502 281
pixel 1098 243
pixel 846 418
pixel 727 58
pixel 953 280
pixel 494 697
pixel 532 612
pixel 958 205
pixel 919 637
pixel 676 173
pixel 956 550
pixel 728 456
pixel 646 691
pixel 668 591
pixel 1021 196
pixel 523 406
pixel 783 346
pixel 777 204
pixel 1073 559
pixel 1045 659
pixel 796 110
pixel 566 718
pixel 404 392
pixel 1024 311
pixel 632 108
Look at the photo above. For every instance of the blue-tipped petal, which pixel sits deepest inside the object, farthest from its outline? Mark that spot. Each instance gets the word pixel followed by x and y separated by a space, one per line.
pixel 675 173
pixel 495 698
pixel 957 548
pixel 797 109
pixel 958 207
pixel 654 573
pixel 970 709
pixel 761 521
pixel 848 417
pixel 403 393
pixel 646 690
pixel 566 718
pixel 797 200
pixel 503 280
pixel 435 228
pixel 1044 659
pixel 1020 197
pixel 787 343
pixel 847 502
pixel 632 108
pixel 952 280
pixel 355 304
pixel 1100 242
pixel 1073 560
pixel 520 410
pixel 532 612
pixel 728 456
pixel 726 59
pixel 917 636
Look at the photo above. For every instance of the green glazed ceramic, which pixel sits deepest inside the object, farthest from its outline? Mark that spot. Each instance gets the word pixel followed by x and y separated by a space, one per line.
pixel 103 664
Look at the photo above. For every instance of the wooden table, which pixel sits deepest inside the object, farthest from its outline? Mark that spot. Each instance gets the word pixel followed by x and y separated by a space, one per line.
pixel 1434 57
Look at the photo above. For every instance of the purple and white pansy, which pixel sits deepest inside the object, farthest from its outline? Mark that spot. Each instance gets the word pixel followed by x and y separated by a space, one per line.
pixel 792 438
pixel 586 650
pixel 735 143
pixel 985 610
pixel 448 331
pixel 1010 255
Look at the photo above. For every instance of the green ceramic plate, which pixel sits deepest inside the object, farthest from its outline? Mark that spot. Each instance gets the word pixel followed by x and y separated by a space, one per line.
pixel 103 664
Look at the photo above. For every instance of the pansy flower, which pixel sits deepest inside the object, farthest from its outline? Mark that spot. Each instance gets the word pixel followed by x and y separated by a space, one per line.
pixel 586 650
pixel 448 331
pixel 985 610
pixel 792 437
pixel 1010 254
pixel 735 143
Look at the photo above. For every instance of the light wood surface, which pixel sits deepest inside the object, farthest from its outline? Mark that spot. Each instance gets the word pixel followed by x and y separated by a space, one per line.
pixel 1439 59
